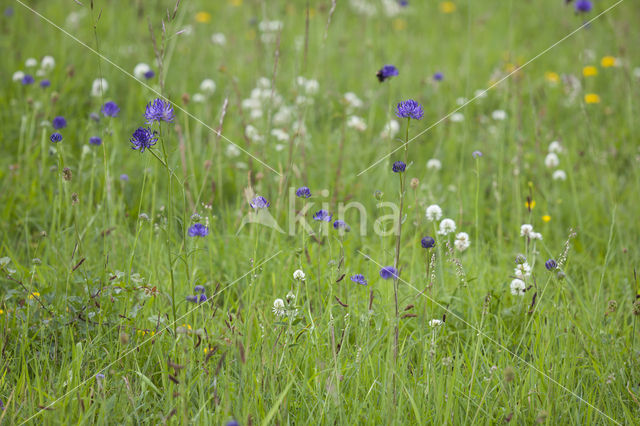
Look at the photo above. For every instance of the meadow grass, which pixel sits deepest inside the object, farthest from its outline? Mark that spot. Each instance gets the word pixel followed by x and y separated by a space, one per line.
pixel 97 264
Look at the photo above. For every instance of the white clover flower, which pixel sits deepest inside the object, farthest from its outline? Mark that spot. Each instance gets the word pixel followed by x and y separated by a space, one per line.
pixel 434 212
pixel 551 160
pixel 535 236
pixel 298 274
pixel 526 230
pixel 357 123
pixel 264 83
pixel 47 63
pixel 559 175
pixel 456 117
pixel 232 151
pixel 353 101
pixel 522 270
pixel 252 133
pixel 99 87
pixel 518 287
pixel 435 323
pixel 556 147
pixel 280 135
pixel 461 101
pixel 499 115
pixel 208 86
pixel 283 116
pixel 311 87
pixel 41 73
pixel 447 226
pixel 251 103
pixel 462 241
pixel 140 70
pixel 279 147
pixel 278 307
pixel 302 100
pixel 290 296
pixel 390 130
pixel 255 114
pixel 31 62
pixel 219 39
pixel 198 98
pixel 480 93
pixel 434 164
pixel 17 76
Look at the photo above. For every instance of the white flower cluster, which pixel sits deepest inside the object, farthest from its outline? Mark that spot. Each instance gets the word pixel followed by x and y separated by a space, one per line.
pixel 353 102
pixel 518 287
pixel 286 307
pixel 46 64
pixel 218 38
pixel 448 226
pixel 357 123
pixel 552 160
pixel 363 7
pixel 526 230
pixel 434 164
pixel 269 30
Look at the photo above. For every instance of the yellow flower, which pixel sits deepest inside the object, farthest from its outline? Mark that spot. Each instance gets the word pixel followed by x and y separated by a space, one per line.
pixel 530 205
pixel 34 295
pixel 203 17
pixel 546 218
pixel 589 71
pixel 592 98
pixel 447 7
pixel 235 3
pixel 399 24
pixel 608 61
pixel 551 77
pixel 1 312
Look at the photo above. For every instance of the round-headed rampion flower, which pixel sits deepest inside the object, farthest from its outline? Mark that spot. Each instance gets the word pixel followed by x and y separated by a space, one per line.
pixel 95 140
pixel 428 242
pixel 199 289
pixel 55 137
pixel 198 230
pixel 143 138
pixel 520 259
pixel 45 83
pixel 159 110
pixel 110 109
pixel 149 74
pixel 193 299
pixel 259 202
pixel 341 224
pixel 583 6
pixel 550 264
pixel 438 76
pixel 59 123
pixel 476 154
pixel 409 109
pixel 303 192
pixel 399 167
pixel 386 72
pixel 388 272
pixel 359 279
pixel 28 79
pixel 322 215
pixel 203 298
pixel 124 177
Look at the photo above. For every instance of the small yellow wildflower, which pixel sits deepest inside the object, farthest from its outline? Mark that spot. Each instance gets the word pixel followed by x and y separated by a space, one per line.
pixel 399 24
pixel 551 77
pixel 447 7
pixel 546 218
pixel 186 326
pixel 589 71
pixel 592 98
pixel 34 295
pixel 1 312
pixel 530 205
pixel 203 17
pixel 608 61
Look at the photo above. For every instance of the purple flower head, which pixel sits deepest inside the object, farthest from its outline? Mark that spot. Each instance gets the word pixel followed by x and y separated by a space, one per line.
pixel 95 140
pixel 303 192
pixel 143 138
pixel 428 242
pixel 341 224
pixel 124 177
pixel 232 423
pixel 149 74
pixel 110 109
pixel 99 376
pixel 476 154
pixel 399 167
pixel 94 116
pixel 59 123
pixel 45 83
pixel 55 137
pixel 198 230
pixel 259 202
pixel 386 72
pixel 409 109
pixel 438 76
pixel 550 265
pixel 388 272
pixel 1 405
pixel 27 79
pixel 199 289
pixel 203 298
pixel 159 110
pixel 583 6
pixel 193 299
pixel 403 3
pixel 322 215
pixel 359 279
pixel 8 12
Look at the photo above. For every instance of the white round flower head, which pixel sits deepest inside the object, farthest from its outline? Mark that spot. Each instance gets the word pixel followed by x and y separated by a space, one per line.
pixel 461 101
pixel 264 83
pixel 636 72
pixel 390 130
pixel 255 113
pixel 526 230
pixel 480 93
pixel 47 63
pixel 251 103
pixel 280 135
pixel 357 123
pixel 17 76
pixel 559 175
pixel 447 226
pixel 41 73
pixel 555 147
pixel 252 133
pixel 522 270
pixel 140 70
pixel 518 287
pixel 535 236
pixel 298 274
pixel 551 160
pixel 31 62
pixel 278 307
pixel 208 86
pixel 283 116
pixel 457 117
pixel 311 87
pixel 198 98
pixel 435 323
pixel 232 151
pixel 99 87
pixel 219 39
pixel 434 212
pixel 279 147
pixel 499 115
pixel 434 164
pixel 291 296
pixel 352 100
pixel 462 241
